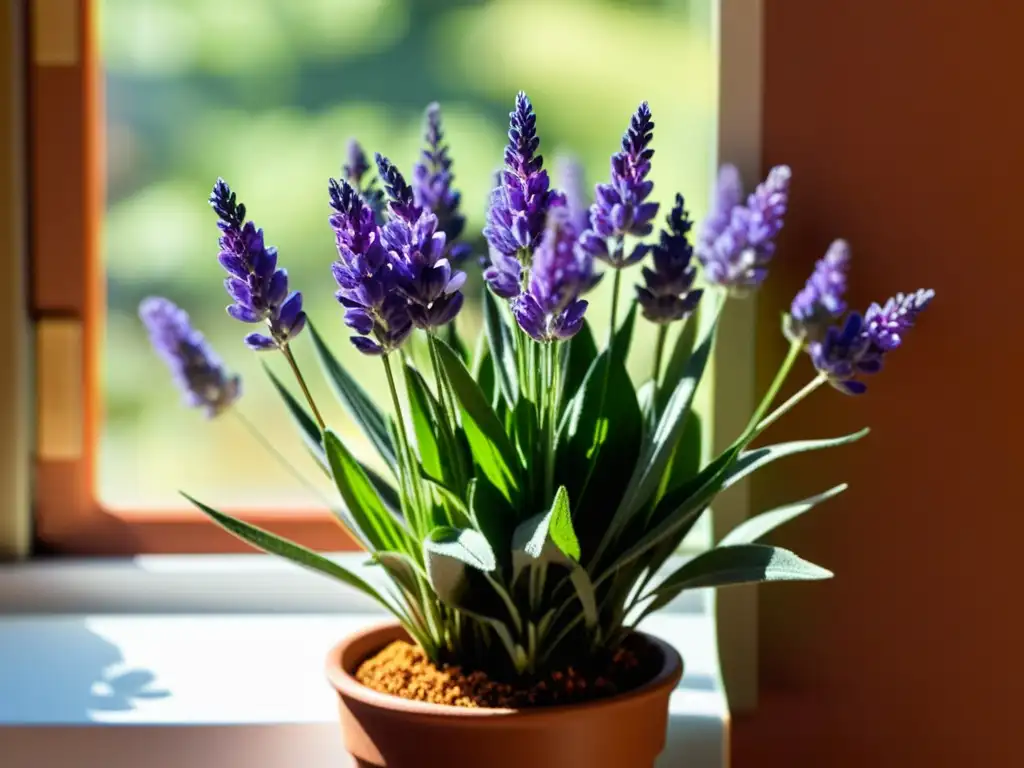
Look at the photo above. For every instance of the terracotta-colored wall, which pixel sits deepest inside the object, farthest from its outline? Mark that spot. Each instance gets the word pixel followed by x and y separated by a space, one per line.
pixel 903 121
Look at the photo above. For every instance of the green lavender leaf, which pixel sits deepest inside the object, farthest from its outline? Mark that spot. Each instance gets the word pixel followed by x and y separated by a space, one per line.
pixel 503 350
pixel 360 406
pixel 754 528
pixel 491 449
pixel 737 564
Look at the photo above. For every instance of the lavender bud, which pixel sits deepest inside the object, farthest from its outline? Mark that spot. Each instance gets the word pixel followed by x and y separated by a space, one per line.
pixel 356 172
pixel 621 208
pixel 860 345
pixel 402 202
pixel 738 241
pixel 366 281
pixel 667 294
pixel 820 302
pixel 432 185
pixel 256 285
pixel 197 371
pixel 520 203
pixel 422 273
pixel 550 309
pixel 887 324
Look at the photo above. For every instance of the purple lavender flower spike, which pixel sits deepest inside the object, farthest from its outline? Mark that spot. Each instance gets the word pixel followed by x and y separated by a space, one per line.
pixel 357 165
pixel 258 288
pixel 432 185
pixel 820 302
pixel 887 324
pixel 736 255
pixel 860 345
pixel 550 309
pixel 668 294
pixel 366 281
pixel 520 203
pixel 844 353
pixel 197 371
pixel 621 207
pixel 727 195
pixel 422 273
pixel 401 203
pixel 356 172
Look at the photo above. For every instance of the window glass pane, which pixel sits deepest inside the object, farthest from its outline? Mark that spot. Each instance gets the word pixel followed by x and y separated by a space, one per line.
pixel 266 93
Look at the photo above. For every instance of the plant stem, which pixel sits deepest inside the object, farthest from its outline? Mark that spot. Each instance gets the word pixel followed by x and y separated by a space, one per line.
pixel 302 383
pixel 406 451
pixel 513 612
pixel 534 480
pixel 780 378
pixel 550 647
pixel 616 281
pixel 521 342
pixel 552 423
pixel 771 418
pixel 659 350
pixel 531 647
pixel 268 446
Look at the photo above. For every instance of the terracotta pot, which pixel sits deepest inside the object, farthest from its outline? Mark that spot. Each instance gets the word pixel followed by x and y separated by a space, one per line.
pixel 625 731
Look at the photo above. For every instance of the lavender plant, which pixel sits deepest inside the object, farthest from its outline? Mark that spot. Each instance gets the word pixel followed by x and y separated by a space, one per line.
pixel 536 492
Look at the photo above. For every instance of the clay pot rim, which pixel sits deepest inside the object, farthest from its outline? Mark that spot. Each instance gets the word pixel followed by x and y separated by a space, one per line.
pixel 346 684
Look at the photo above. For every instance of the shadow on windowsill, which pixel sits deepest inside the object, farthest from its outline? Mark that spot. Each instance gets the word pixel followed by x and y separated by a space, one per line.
pixel 64 673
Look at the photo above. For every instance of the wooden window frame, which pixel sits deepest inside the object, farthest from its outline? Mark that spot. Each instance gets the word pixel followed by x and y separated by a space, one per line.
pixel 66 172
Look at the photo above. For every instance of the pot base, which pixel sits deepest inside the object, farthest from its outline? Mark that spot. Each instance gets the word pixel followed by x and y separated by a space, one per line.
pixel 385 731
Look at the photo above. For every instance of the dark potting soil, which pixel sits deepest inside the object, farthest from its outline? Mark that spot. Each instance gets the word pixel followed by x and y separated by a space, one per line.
pixel 403 669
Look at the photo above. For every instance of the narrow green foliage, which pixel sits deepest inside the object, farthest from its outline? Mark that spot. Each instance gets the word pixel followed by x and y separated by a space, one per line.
pixel 659 448
pixel 501 342
pixel 310 434
pixel 596 477
pixel 351 395
pixel 453 339
pixel 425 414
pixel 308 429
pixel 732 565
pixel 465 545
pixel 682 507
pixel 449 554
pixel 548 536
pixel 679 359
pixel 624 335
pixel 582 351
pixel 490 446
pixel 369 519
pixel 456 510
pixel 275 545
pixel 753 529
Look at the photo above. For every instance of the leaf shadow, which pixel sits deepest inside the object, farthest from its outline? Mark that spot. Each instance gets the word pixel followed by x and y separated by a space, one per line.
pixel 59 671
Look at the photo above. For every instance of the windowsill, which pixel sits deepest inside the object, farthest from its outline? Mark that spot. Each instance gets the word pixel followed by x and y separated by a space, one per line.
pixel 206 668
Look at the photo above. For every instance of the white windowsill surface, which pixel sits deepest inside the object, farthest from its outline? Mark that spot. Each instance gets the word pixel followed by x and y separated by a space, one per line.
pixel 182 661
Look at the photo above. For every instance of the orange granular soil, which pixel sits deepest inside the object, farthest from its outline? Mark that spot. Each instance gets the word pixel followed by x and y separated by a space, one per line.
pixel 403 669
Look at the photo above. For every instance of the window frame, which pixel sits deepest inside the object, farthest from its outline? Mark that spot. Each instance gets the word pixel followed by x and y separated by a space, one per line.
pixel 66 162
pixel 50 370
pixel 15 350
